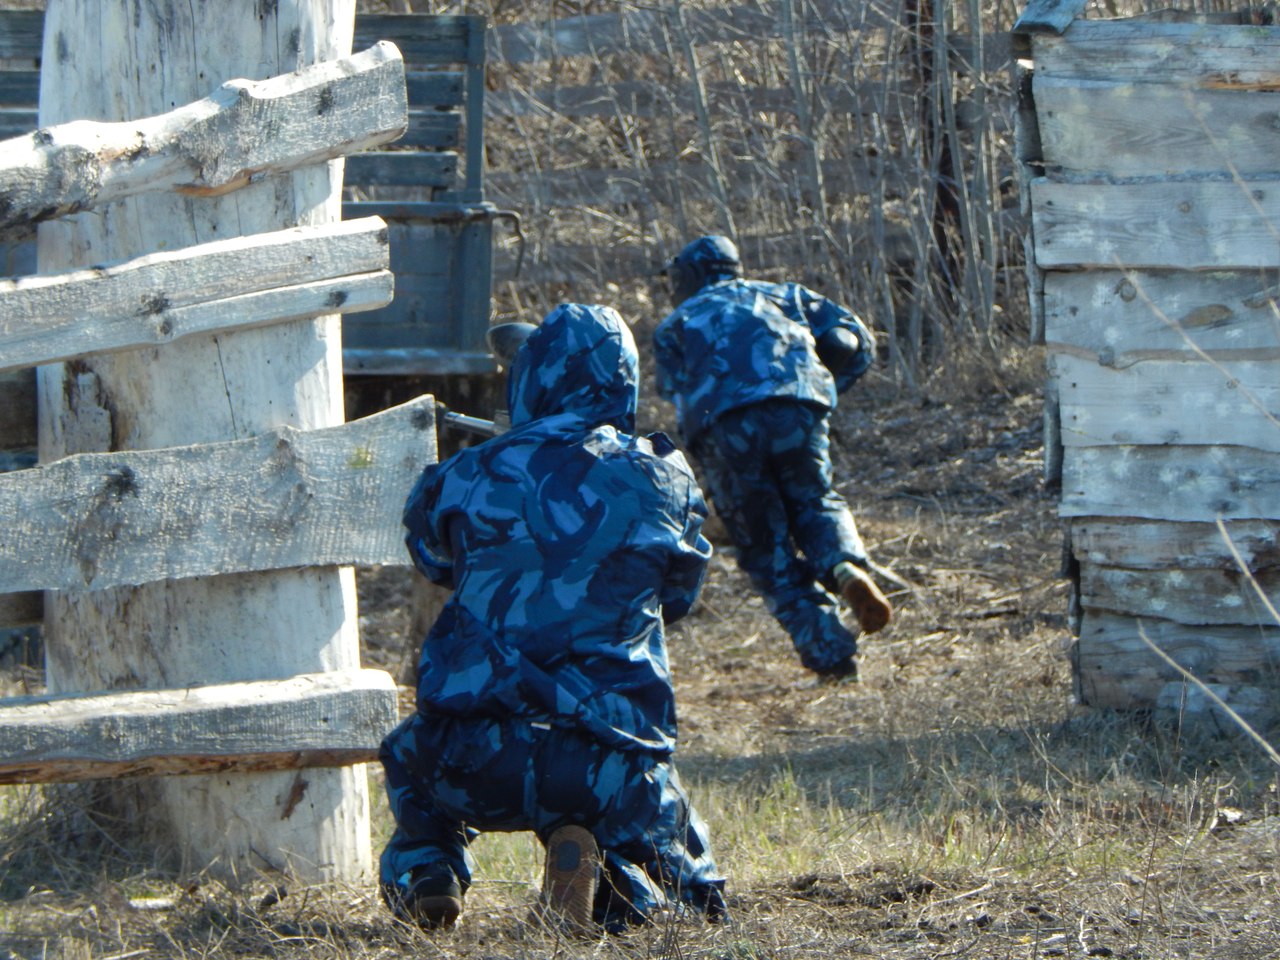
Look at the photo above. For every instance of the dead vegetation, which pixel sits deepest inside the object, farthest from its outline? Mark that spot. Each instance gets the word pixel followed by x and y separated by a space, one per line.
pixel 953 803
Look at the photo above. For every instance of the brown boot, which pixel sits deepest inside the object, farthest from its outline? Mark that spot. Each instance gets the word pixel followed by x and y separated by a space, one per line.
pixel 569 880
pixel 864 598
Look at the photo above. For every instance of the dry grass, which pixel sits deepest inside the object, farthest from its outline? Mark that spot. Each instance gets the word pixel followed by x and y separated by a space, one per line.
pixel 953 803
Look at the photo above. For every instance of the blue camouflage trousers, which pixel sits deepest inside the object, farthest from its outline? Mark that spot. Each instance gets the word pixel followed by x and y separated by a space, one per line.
pixel 450 778
pixel 768 470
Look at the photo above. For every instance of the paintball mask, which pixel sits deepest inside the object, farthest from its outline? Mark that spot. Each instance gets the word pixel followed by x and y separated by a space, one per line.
pixel 506 339
pixel 703 261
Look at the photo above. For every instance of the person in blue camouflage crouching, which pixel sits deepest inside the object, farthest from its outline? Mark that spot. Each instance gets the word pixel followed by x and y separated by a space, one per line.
pixel 754 370
pixel 544 700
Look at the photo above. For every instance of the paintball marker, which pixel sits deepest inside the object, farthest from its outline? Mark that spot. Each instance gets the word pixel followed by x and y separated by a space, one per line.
pixel 452 420
pixel 505 341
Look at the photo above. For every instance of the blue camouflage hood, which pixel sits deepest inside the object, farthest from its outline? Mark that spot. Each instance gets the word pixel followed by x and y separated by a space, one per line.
pixel 567 543
pixel 582 360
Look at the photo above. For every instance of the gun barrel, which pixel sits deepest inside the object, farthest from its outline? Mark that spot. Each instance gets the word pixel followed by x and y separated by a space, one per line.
pixel 461 421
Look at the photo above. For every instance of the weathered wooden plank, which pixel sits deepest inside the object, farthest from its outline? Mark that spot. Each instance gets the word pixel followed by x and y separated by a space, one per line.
pixel 21 33
pixel 1181 224
pixel 309 720
pixel 19 88
pixel 441 38
pixel 422 39
pixel 1160 545
pixel 432 129
pixel 1204 55
pixel 1194 597
pixel 1121 318
pixel 1168 402
pixel 1150 129
pixel 17 410
pixel 1116 668
pixel 435 88
pixel 1048 16
pixel 432 89
pixel 246 130
pixel 400 168
pixel 229 284
pixel 287 498
pixel 1197 484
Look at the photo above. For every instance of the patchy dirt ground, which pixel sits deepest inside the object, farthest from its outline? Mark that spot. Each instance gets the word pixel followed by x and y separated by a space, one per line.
pixel 979 811
pixel 950 498
pixel 955 802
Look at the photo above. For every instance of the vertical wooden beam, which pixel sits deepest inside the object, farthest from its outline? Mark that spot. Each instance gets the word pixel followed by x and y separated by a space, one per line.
pixel 124 59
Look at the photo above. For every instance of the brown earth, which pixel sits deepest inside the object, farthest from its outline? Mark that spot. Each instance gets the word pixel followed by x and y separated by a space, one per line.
pixel 955 802
pixel 962 733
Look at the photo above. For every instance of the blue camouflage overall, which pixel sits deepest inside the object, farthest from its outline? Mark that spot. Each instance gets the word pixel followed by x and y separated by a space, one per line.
pixel 752 397
pixel 544 697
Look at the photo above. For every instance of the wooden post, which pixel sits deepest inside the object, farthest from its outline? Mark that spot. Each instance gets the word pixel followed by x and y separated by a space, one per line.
pixel 126 59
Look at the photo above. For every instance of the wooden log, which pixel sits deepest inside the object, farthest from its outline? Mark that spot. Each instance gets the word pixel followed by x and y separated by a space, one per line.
pixel 1195 597
pixel 285 498
pixel 1122 317
pixel 1181 224
pixel 245 131
pixel 1117 668
pixel 1161 545
pixel 1133 51
pixel 1168 402
pixel 1197 484
pixel 1151 129
pixel 230 284
pixel 202 390
pixel 310 720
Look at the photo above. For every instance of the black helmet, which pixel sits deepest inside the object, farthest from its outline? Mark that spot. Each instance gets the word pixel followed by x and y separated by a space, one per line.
pixel 703 261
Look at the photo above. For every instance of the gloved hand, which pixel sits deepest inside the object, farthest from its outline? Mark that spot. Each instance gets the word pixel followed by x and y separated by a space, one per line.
pixel 843 353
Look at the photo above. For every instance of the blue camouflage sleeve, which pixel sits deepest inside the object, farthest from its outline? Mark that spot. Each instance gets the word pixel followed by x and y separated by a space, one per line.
pixel 428 548
pixel 823 316
pixel 688 564
pixel 668 358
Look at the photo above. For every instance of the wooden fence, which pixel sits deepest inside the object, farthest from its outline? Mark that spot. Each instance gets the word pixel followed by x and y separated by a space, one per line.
pixel 1155 253
pixel 285 498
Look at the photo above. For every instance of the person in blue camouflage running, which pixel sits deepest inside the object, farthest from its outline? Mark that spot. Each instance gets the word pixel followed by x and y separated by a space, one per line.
pixel 754 370
pixel 544 700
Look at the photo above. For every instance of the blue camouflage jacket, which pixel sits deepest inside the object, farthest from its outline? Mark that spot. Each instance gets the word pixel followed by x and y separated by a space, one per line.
pixel 738 342
pixel 567 541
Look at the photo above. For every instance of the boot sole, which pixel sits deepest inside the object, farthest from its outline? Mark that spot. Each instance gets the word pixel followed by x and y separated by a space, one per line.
pixel 435 912
pixel 569 883
pixel 869 605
